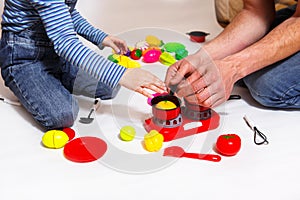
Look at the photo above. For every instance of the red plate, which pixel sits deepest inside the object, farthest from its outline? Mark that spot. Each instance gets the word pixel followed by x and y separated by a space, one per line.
pixel 85 149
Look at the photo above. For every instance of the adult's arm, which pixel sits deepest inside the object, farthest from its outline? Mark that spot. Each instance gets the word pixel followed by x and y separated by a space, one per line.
pixel 250 25
pixel 278 44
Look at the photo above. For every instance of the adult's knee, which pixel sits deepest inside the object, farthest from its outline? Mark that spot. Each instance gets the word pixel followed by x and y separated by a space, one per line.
pixel 273 92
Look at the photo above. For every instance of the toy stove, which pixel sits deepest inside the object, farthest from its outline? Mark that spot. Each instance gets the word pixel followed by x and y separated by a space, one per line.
pixel 181 121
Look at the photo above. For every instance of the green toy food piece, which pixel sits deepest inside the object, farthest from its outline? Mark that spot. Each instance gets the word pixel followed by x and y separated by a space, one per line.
pixel 127 133
pixel 167 59
pixel 173 47
pixel 113 58
pixel 180 54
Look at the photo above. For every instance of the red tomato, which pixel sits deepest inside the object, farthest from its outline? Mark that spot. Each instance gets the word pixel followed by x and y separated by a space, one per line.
pixel 228 144
pixel 136 54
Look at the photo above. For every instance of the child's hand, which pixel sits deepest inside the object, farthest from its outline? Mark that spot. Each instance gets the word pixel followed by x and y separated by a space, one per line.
pixel 118 45
pixel 138 79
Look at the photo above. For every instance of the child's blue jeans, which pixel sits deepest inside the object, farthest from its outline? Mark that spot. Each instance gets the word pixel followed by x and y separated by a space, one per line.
pixel 43 82
pixel 278 85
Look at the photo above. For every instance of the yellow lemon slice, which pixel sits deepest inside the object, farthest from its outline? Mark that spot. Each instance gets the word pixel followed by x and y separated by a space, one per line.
pixel 166 105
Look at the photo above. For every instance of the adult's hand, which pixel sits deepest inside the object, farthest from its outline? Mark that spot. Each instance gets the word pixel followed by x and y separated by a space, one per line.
pixel 200 80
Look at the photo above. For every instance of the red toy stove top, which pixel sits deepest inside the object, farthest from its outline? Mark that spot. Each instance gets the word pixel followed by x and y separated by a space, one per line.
pixel 184 129
pixel 180 121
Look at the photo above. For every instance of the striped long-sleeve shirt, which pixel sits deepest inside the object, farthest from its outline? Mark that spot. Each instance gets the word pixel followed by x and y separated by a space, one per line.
pixel 62 26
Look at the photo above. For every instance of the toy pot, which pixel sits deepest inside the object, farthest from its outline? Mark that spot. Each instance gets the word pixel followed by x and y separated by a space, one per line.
pixel 195 107
pixel 197 36
pixel 165 114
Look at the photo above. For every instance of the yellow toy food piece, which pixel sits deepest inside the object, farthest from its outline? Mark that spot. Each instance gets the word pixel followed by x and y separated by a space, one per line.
pixel 166 105
pixel 153 141
pixel 126 61
pixel 167 59
pixel 55 139
pixel 127 133
pixel 153 41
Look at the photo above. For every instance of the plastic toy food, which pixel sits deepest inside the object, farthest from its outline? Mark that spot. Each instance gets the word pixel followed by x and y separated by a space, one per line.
pixel 55 139
pixel 228 144
pixel 136 54
pixel 153 41
pixel 113 58
pixel 155 95
pixel 152 56
pixel 153 141
pixel 127 53
pixel 70 132
pixel 124 61
pixel 166 105
pixel 180 54
pixel 173 47
pixel 167 59
pixel 127 133
pixel 142 45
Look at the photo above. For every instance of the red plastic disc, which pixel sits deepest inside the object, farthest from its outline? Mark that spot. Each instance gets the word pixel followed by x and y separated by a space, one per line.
pixel 70 132
pixel 85 149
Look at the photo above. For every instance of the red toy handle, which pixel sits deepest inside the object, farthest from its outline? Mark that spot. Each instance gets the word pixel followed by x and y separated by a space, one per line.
pixel 209 157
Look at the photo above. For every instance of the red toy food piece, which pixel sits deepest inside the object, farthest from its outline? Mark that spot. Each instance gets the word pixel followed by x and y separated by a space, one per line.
pixel 136 54
pixel 85 149
pixel 228 144
pixel 70 132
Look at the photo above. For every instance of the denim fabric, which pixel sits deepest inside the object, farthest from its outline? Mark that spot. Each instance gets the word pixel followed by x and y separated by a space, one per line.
pixel 278 85
pixel 43 82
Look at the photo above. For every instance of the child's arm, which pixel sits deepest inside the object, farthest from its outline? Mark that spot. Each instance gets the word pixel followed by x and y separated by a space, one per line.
pixel 86 30
pixel 97 36
pixel 60 29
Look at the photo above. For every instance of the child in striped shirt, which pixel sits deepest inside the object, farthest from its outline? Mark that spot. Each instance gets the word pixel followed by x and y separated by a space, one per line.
pixel 43 61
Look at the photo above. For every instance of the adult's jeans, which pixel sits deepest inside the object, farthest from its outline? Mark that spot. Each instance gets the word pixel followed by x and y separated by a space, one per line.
pixel 277 85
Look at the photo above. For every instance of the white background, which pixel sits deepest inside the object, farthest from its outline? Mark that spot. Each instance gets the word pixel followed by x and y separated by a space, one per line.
pixel 28 171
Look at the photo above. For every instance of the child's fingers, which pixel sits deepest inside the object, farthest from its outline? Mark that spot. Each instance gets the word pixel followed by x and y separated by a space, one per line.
pixel 144 92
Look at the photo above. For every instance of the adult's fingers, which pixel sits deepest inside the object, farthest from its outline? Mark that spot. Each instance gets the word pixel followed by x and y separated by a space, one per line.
pixel 192 84
pixel 178 71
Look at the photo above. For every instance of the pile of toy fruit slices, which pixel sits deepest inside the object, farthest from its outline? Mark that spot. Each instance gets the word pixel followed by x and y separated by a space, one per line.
pixel 151 50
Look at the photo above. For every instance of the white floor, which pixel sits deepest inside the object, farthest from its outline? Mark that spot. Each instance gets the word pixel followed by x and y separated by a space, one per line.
pixel 30 171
